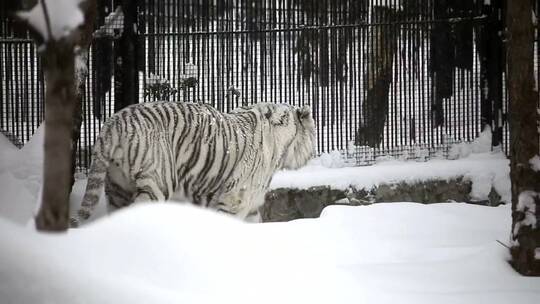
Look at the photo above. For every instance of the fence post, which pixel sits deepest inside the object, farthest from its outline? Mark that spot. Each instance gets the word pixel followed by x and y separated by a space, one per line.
pixel 499 63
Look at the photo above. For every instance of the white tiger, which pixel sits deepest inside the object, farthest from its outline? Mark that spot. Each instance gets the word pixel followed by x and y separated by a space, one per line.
pixel 191 151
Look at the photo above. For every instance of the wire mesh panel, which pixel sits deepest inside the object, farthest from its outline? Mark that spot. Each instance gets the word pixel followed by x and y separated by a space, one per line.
pixel 21 83
pixel 371 71
pixel 388 76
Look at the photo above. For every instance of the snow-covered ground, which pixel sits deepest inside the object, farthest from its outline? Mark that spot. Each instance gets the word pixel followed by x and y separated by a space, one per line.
pixel 484 170
pixel 161 253
pixel 473 161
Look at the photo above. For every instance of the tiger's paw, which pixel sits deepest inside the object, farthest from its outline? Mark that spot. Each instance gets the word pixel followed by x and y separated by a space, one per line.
pixel 73 223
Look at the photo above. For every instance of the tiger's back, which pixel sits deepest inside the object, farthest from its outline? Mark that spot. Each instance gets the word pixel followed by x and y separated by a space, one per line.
pixel 179 142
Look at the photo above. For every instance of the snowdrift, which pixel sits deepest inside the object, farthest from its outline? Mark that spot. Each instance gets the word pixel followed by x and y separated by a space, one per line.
pixel 165 252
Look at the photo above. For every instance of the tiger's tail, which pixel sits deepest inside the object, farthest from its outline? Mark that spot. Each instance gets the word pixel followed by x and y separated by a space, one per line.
pixel 96 181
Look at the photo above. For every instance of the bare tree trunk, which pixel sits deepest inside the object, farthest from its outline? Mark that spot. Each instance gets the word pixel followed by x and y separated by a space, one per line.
pixel 491 56
pixel 442 60
pixel 524 138
pixel 60 99
pixel 58 57
pixel 125 70
pixel 378 78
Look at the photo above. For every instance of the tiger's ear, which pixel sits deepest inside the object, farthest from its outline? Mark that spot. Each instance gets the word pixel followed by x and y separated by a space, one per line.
pixel 268 114
pixel 277 115
pixel 303 112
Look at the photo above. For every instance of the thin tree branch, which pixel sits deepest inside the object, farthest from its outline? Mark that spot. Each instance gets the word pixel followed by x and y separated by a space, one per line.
pixel 47 19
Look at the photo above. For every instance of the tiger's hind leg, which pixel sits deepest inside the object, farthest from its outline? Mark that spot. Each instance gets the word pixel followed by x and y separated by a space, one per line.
pixel 156 177
pixel 117 196
pixel 119 188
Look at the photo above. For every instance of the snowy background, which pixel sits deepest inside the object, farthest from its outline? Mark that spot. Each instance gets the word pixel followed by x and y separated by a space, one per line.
pixel 169 252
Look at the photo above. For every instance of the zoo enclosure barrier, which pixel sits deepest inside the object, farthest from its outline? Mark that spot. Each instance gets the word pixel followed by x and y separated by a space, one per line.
pixel 383 77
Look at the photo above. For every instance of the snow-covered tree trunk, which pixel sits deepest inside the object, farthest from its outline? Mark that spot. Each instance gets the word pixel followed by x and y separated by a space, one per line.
pixel 56 24
pixel 524 137
pixel 60 99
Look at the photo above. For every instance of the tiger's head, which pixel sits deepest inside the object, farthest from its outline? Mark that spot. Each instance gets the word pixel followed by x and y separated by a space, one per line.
pixel 302 146
pixel 292 130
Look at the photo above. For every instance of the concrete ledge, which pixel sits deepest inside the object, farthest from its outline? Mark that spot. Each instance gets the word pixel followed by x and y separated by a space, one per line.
pixel 285 204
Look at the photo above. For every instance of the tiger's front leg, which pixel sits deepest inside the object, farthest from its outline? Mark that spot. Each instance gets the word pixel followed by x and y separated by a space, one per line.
pixel 244 204
pixel 146 189
pixel 254 217
pixel 256 198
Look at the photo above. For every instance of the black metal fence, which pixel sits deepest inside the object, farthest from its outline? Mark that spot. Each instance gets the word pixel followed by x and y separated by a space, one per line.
pixel 21 83
pixel 388 74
